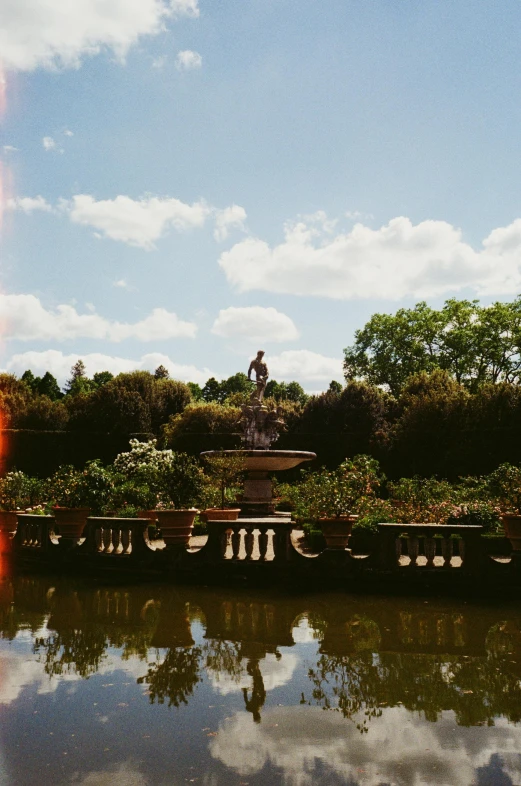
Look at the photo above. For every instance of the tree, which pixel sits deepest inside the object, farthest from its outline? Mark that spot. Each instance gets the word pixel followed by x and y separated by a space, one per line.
pixel 475 344
pixel 212 391
pixel 161 373
pixel 78 381
pixel 203 426
pixel 335 387
pixel 101 378
pixel 48 386
pixel 196 391
pixel 285 391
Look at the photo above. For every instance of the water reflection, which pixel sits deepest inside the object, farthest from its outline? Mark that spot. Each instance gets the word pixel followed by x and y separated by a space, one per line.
pixel 351 690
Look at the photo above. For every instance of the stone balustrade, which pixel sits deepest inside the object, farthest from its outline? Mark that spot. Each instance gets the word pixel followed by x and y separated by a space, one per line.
pixel 430 546
pixel 262 549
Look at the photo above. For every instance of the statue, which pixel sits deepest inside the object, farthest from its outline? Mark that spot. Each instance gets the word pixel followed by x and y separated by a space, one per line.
pixel 260 425
pixel 261 377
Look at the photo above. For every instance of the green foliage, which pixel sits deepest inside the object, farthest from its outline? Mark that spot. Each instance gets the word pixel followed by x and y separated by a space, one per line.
pixel 225 471
pixel 339 492
pixel 154 477
pixel 203 427
pixel 18 491
pixel 475 344
pixel 285 391
pixel 504 485
pixel 67 488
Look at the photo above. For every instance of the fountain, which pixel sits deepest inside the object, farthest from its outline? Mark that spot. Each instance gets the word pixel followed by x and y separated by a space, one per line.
pixel 260 429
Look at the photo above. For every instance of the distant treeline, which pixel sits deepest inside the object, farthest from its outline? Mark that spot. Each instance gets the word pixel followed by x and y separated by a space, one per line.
pixel 427 392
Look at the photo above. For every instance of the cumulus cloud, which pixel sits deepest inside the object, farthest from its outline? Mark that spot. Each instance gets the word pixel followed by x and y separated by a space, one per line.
pixel 9 149
pixel 397 260
pixel 305 744
pixel 232 217
pixel 188 60
pixel 60 364
pixel 138 222
pixel 54 33
pixel 255 323
pixel 304 365
pixel 24 318
pixel 29 204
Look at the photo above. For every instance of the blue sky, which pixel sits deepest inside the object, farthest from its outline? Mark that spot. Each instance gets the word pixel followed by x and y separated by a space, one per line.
pixel 187 181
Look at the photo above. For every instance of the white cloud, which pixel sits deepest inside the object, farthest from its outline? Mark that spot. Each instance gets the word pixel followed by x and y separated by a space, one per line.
pixel 159 62
pixel 24 318
pixel 29 204
pixel 304 365
pixel 122 283
pixel 304 744
pixel 54 33
pixel 9 149
pixel 188 60
pixel 68 132
pixel 275 674
pixel 48 143
pixel 60 364
pixel 398 260
pixel 232 217
pixel 255 323
pixel 138 222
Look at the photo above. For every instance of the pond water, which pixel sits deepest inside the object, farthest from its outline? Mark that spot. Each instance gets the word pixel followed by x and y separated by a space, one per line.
pixel 155 685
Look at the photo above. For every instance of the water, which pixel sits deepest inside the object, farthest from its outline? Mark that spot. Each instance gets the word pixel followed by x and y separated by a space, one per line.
pixel 155 685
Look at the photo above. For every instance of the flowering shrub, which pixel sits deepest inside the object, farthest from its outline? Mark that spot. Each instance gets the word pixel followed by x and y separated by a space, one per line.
pixel 67 488
pixel 225 473
pixel 330 493
pixel 504 484
pixel 19 491
pixel 152 477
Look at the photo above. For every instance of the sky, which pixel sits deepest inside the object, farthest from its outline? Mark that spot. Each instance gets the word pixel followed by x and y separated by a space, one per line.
pixel 185 182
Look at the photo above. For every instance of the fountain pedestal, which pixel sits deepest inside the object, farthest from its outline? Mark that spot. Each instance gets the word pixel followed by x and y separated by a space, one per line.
pixel 257 500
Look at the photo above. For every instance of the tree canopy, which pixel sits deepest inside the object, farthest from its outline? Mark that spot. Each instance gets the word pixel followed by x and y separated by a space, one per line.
pixel 475 344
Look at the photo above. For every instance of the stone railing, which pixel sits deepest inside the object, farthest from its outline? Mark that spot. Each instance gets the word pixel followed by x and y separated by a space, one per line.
pixel 263 547
pixel 249 540
pixel 117 537
pixel 430 546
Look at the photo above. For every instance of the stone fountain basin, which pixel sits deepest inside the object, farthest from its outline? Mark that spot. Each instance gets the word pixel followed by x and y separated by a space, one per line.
pixel 266 460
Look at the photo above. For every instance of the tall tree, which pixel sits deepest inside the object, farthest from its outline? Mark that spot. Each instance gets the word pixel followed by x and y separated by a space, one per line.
pixel 475 344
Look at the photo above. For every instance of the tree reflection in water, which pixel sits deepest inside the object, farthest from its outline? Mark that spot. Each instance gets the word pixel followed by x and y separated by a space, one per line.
pixel 372 654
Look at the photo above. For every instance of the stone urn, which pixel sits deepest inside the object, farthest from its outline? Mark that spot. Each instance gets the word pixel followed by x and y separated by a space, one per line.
pixel 512 526
pixel 221 514
pixel 337 531
pixel 70 521
pixel 176 525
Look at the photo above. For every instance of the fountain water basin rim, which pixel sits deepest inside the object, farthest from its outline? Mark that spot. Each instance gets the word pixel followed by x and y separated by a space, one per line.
pixel 266 460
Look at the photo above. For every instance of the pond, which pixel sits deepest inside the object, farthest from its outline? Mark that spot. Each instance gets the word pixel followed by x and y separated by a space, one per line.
pixel 150 685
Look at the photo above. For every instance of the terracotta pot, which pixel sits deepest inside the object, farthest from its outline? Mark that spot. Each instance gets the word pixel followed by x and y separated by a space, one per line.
pixel 175 525
pixel 512 526
pixel 70 521
pixel 221 514
pixel 337 531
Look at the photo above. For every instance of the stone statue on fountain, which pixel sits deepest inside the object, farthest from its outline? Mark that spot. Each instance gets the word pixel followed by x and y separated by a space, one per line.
pixel 260 425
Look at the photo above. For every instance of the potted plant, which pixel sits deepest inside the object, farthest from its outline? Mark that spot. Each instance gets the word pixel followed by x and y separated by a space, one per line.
pixel 225 472
pixel 18 491
pixel 331 496
pixel 181 485
pixel 505 484
pixel 70 496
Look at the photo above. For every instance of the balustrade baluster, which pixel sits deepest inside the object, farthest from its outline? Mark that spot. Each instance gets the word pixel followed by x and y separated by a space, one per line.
pixel 398 547
pixel 461 550
pixel 430 550
pixel 263 543
pixel 126 538
pixel 413 547
pixel 236 542
pixel 446 550
pixel 117 547
pixel 249 541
